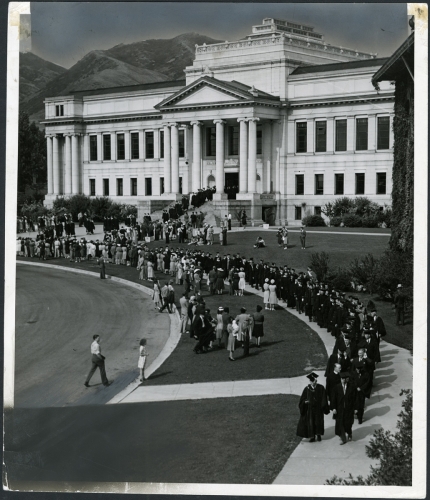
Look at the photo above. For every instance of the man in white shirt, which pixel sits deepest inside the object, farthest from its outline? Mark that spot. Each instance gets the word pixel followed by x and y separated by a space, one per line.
pixel 98 361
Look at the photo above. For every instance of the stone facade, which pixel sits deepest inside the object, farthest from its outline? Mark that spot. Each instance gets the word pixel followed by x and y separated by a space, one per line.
pixel 290 120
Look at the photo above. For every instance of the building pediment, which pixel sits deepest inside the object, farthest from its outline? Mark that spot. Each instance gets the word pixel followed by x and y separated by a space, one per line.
pixel 208 91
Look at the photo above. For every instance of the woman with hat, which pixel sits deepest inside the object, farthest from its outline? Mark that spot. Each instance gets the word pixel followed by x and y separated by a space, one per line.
pixel 257 326
pixel 313 406
pixel 219 325
pixel 143 353
pixel 220 280
pixel 241 281
pixel 272 297
pixel 266 294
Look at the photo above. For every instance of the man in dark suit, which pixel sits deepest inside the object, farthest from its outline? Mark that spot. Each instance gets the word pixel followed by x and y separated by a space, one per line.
pixel 378 324
pixel 343 407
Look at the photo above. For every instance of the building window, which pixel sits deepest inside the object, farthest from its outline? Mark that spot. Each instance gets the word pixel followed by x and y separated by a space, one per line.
pixel 149 145
pixel 181 141
pixel 133 186
pixel 120 147
pixel 59 110
pixel 233 141
pixel 361 135
pixel 319 183
pixel 148 186
pixel 105 187
pixel 320 137
pixel 300 184
pixel 359 183
pixel 106 147
pixel 302 137
pixel 317 211
pixel 298 213
pixel 340 135
pixel 93 148
pixel 259 139
pixel 383 132
pixel 381 183
pixel 161 143
pixel 180 185
pixel 119 186
pixel 134 139
pixel 161 185
pixel 92 187
pixel 210 141
pixel 338 183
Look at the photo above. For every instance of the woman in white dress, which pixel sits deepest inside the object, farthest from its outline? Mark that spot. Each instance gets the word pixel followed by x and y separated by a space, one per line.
pixel 156 295
pixel 179 273
pixel 241 281
pixel 150 268
pixel 219 325
pixel 143 353
pixel 139 266
pixel 272 298
pixel 266 296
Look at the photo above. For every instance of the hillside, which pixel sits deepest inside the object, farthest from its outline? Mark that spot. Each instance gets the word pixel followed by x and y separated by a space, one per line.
pixel 35 73
pixel 125 64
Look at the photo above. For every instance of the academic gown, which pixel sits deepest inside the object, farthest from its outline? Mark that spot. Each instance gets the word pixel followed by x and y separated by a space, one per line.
pixel 311 421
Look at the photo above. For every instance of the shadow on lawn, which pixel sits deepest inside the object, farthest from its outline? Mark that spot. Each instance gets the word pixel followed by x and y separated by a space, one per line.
pixel 158 375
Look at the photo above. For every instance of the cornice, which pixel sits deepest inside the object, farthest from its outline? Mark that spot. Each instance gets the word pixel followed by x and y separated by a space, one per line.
pixel 341 101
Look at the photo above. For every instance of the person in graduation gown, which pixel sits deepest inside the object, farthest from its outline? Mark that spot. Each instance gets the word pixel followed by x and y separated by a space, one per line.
pixel 343 407
pixel 313 406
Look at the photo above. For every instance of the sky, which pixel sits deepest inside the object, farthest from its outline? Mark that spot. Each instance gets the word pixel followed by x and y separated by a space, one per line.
pixel 64 32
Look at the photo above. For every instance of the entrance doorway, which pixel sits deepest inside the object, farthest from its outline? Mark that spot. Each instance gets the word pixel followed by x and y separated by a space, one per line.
pixel 211 181
pixel 269 215
pixel 231 185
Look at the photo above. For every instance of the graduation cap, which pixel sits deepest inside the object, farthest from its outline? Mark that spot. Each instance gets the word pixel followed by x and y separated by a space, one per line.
pixel 344 375
pixel 312 376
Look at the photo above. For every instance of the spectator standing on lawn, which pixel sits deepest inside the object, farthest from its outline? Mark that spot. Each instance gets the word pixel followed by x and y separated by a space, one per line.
pixel 273 300
pixel 303 238
pixel 266 294
pixel 232 329
pixel 257 326
pixel 399 304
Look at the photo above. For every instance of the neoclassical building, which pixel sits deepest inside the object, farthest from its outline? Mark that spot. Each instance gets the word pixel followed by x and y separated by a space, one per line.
pixel 281 120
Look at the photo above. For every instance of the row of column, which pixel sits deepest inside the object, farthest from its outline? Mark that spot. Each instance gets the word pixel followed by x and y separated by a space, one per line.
pixel 71 163
pixel 247 156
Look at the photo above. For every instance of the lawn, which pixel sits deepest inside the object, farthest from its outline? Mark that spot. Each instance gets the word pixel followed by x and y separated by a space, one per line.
pixel 289 348
pixel 244 440
pixel 342 248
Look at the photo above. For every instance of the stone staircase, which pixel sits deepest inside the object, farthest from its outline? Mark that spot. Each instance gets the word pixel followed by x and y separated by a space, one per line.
pixel 212 215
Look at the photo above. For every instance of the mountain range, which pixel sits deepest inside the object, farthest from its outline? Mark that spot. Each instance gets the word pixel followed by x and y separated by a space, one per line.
pixel 125 64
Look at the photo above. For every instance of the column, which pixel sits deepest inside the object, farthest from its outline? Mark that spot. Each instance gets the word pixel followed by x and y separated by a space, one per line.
pixel 219 162
pixel 252 155
pixel 188 148
pixel 267 153
pixel 55 165
pixel 86 148
pixel 330 135
pixel 243 156
pixel 127 154
pixel 141 145
pixel 276 157
pixel 311 136
pixel 197 155
pixel 371 133
pixel 75 165
pixel 167 160
pixel 68 166
pixel 350 130
pixel 174 137
pixel 156 143
pixel 391 140
pixel 49 164
pixel 100 147
pixel 113 144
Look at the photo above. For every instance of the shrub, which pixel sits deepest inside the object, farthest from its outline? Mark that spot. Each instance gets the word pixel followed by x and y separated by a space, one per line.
pixel 394 268
pixel 394 452
pixel 61 204
pixel 313 221
pixel 342 206
pixel 100 207
pixel 364 271
pixel 363 206
pixel 339 279
pixel 319 264
pixel 34 210
pixel 335 221
pixel 370 221
pixel 351 220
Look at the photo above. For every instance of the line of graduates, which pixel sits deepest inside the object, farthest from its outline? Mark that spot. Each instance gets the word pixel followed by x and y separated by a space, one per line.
pixel 349 373
pixel 198 198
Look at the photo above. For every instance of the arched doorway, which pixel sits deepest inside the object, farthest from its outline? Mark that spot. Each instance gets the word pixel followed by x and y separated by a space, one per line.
pixel 211 181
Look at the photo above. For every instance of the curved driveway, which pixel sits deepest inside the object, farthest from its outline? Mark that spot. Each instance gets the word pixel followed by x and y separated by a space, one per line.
pixel 57 313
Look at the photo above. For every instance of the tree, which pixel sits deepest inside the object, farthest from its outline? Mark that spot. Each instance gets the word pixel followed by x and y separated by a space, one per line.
pixel 31 155
pixel 394 452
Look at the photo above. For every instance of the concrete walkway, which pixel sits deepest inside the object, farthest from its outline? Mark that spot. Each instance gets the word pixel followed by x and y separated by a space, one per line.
pixel 327 458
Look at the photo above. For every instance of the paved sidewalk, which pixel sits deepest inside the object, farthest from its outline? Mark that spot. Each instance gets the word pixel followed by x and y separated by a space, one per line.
pixel 327 458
